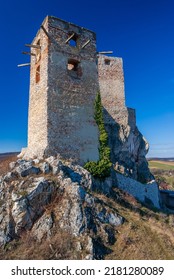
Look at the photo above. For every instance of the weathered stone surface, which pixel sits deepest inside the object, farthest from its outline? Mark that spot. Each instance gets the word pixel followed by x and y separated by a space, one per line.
pixel 23 203
pixel 30 206
pixel 42 227
pixel 10 176
pixel 142 192
pixel 89 249
pixel 26 168
pixel 109 217
pixel 65 114
pixel 12 165
pixel 45 167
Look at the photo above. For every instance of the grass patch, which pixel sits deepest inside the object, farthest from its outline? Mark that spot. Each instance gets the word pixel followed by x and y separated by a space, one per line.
pixel 161 165
pixel 134 238
pixel 62 246
pixel 142 227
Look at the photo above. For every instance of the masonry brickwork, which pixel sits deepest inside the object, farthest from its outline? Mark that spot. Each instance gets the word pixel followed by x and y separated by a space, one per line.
pixel 66 74
pixel 63 86
pixel 110 73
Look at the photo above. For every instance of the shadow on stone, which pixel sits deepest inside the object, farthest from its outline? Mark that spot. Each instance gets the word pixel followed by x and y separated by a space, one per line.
pixel 75 177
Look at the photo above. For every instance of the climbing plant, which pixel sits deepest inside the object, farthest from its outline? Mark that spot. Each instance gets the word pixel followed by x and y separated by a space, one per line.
pixel 102 167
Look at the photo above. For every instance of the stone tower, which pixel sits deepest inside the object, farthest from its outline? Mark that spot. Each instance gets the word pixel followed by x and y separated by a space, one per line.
pixel 63 86
pixel 128 146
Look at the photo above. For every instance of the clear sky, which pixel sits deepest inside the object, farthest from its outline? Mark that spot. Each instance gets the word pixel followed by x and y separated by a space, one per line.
pixel 139 31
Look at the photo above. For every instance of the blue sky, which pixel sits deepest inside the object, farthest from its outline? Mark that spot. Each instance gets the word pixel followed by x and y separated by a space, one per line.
pixel 139 31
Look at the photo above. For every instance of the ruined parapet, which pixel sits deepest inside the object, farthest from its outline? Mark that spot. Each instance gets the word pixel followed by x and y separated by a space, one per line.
pixel 63 86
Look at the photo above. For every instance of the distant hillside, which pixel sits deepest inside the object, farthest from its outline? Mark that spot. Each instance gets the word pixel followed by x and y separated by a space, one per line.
pixel 161 159
pixel 6 155
pixel 163 170
pixel 163 165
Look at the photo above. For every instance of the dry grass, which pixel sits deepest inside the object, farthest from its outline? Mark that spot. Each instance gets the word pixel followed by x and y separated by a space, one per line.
pixel 4 162
pixel 62 245
pixel 145 235
pixel 143 240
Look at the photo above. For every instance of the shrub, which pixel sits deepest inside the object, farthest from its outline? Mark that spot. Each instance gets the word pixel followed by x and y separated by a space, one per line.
pixel 101 168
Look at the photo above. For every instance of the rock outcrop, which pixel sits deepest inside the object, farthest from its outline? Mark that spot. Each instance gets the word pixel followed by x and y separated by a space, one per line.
pixel 32 188
pixel 128 151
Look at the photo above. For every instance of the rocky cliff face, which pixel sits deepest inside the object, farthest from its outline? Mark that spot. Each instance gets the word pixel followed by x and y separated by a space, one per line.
pixel 42 197
pixel 128 146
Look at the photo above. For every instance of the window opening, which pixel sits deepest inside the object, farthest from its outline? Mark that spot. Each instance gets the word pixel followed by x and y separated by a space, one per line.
pixel 107 62
pixel 73 43
pixel 74 68
pixel 38 42
pixel 38 74
pixel 72 40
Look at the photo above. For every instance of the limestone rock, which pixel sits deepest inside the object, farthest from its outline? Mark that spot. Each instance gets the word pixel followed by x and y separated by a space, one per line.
pixel 42 227
pixel 30 207
pixel 109 217
pixel 128 151
pixel 12 165
pixel 45 167
pixel 74 208
pixel 62 198
pixel 55 164
pixel 26 168
pixel 10 176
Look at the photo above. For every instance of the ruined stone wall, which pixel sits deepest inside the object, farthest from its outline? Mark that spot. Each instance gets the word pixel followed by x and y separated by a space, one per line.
pixel 147 193
pixel 37 119
pixel 72 130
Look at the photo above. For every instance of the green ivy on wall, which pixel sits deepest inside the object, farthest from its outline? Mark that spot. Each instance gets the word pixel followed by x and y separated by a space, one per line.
pixel 102 167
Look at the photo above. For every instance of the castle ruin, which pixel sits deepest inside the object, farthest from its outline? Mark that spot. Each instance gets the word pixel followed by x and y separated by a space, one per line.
pixel 66 73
